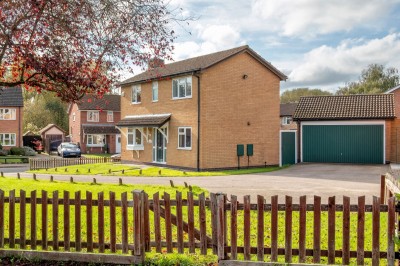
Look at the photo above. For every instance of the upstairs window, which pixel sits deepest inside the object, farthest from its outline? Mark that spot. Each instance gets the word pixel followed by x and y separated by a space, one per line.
pixel 286 120
pixel 7 114
pixel 154 87
pixel 73 117
pixel 93 116
pixel 182 88
pixel 136 94
pixel 110 116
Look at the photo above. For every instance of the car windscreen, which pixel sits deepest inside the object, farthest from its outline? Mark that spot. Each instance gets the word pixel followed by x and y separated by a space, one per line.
pixel 70 146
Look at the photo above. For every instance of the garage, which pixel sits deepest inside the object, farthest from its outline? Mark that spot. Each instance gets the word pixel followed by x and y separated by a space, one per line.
pixel 343 143
pixel 345 129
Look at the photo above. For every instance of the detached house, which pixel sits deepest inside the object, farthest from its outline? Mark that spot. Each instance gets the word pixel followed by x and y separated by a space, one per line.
pixel 92 124
pixel 11 116
pixel 194 113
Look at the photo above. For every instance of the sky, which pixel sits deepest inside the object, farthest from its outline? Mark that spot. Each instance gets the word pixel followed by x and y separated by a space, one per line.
pixel 316 43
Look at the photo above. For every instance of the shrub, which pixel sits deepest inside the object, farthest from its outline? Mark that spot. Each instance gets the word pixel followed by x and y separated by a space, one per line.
pixel 17 151
pixel 29 151
pixel 3 152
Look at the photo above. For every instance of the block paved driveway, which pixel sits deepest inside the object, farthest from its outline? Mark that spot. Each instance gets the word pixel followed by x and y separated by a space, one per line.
pixel 324 180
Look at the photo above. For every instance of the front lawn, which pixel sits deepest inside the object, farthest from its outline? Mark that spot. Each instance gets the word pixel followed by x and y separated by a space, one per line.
pixel 97 155
pixel 127 170
pixel 13 159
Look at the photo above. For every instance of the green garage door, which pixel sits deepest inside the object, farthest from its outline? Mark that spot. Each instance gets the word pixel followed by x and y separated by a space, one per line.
pixel 343 143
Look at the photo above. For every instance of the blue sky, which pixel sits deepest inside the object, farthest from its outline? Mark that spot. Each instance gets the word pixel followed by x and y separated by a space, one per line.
pixel 316 43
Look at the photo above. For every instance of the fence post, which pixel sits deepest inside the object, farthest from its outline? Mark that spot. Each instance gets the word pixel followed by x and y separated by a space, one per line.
pixel 221 226
pixel 138 207
pixel 383 189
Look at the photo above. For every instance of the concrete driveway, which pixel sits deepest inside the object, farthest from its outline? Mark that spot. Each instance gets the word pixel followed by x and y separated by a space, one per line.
pixel 324 180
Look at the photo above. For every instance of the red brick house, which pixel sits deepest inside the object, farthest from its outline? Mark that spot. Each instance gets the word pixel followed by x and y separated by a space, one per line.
pixel 194 113
pixel 92 124
pixel 286 114
pixel 11 117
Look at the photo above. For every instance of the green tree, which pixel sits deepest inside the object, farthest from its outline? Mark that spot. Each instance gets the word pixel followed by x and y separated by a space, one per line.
pixel 41 109
pixel 293 96
pixel 374 79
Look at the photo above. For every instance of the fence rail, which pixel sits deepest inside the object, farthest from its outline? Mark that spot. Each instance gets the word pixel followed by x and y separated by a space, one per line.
pixel 135 224
pixel 35 164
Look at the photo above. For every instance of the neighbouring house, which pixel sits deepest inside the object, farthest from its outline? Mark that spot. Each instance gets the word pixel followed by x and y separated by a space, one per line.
pixel 346 129
pixel 194 113
pixel 286 114
pixel 92 124
pixel 52 136
pixel 11 117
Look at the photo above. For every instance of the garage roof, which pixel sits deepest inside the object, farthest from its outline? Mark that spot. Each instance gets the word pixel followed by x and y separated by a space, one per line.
pixel 345 107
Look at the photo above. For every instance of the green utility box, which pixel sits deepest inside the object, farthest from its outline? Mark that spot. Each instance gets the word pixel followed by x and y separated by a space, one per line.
pixel 240 150
pixel 249 149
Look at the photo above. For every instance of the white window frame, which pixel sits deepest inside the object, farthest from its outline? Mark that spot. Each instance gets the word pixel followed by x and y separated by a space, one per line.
pixel 134 146
pixel 184 134
pixel 154 88
pixel 90 138
pixel 12 139
pixel 10 112
pixel 73 117
pixel 136 90
pixel 182 81
pixel 94 118
pixel 286 120
pixel 110 116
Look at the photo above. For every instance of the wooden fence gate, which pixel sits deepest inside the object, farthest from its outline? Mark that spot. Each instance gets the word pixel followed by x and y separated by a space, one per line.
pixel 83 228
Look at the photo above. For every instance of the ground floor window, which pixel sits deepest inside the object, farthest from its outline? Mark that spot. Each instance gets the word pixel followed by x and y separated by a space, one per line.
pixel 8 139
pixel 96 140
pixel 135 139
pixel 184 138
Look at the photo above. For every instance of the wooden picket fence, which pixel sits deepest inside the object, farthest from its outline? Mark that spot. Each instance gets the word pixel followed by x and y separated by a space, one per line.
pixel 35 164
pixel 86 228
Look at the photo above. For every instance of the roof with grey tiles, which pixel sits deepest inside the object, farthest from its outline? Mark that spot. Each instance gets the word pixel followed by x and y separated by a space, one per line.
pixel 287 109
pixel 197 64
pixel 345 107
pixel 11 97
pixel 107 103
pixel 100 129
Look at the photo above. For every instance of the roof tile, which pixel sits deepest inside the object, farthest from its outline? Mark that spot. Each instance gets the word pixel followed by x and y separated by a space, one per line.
pixel 11 97
pixel 365 106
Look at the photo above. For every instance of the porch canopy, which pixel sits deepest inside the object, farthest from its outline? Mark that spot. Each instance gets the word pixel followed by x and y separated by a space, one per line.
pixel 100 129
pixel 153 120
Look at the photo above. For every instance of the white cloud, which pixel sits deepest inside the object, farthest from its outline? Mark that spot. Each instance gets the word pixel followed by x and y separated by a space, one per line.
pixel 332 65
pixel 211 38
pixel 308 18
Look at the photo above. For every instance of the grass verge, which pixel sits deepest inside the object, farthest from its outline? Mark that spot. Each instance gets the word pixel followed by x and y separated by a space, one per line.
pixel 128 170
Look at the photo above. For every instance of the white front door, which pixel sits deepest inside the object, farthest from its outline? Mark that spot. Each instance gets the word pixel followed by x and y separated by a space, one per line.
pixel 118 143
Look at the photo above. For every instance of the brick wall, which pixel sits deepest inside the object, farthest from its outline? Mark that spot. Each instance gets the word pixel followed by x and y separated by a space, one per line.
pixel 184 114
pixel 239 111
pixel 13 126
pixel 395 131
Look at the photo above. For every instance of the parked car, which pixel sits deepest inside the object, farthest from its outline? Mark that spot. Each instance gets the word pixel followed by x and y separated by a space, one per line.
pixel 68 149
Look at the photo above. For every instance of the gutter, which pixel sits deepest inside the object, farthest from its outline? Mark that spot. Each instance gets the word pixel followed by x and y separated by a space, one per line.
pixel 198 120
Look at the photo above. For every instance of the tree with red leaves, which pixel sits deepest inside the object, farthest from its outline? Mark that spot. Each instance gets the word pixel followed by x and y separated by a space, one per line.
pixel 74 47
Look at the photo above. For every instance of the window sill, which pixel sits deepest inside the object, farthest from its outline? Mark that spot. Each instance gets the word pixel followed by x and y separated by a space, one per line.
pixel 136 103
pixel 183 98
pixel 185 149
pixel 154 101
pixel 135 148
